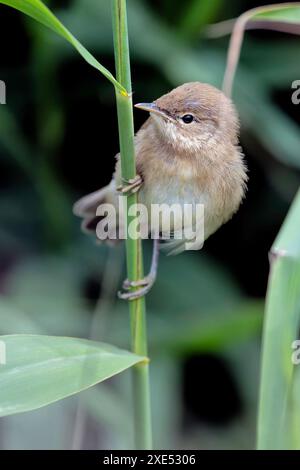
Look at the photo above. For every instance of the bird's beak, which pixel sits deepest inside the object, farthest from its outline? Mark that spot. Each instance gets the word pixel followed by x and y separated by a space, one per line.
pixel 154 109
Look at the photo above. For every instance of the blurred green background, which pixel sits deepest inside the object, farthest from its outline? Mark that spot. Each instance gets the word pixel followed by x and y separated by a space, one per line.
pixel 58 138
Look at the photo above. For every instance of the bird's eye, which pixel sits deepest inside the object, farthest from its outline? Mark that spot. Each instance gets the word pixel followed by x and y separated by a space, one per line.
pixel 187 118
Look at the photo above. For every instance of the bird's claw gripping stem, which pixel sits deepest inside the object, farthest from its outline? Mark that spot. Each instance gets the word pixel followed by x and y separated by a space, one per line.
pixel 145 285
pixel 130 186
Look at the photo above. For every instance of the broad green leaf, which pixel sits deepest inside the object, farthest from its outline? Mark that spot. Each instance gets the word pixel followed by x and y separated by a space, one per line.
pixel 41 13
pixel 279 410
pixel 280 12
pixel 40 370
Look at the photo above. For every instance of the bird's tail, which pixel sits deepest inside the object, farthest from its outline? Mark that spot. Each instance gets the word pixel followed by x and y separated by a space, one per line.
pixel 86 208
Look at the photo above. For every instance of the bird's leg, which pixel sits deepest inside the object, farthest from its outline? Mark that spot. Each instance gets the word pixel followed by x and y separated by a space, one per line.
pixel 130 186
pixel 146 283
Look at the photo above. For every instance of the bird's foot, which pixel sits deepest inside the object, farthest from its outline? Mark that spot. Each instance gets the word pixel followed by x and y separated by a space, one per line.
pixel 144 285
pixel 130 186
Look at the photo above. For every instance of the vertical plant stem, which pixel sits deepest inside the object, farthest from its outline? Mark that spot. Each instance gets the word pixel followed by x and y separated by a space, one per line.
pixel 134 258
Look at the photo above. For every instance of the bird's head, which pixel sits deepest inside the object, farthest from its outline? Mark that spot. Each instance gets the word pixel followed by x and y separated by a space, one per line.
pixel 194 116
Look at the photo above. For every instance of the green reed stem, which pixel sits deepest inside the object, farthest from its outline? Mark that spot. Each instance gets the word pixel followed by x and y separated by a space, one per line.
pixel 134 257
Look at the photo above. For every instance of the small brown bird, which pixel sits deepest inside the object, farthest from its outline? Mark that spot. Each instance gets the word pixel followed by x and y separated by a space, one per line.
pixel 187 152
